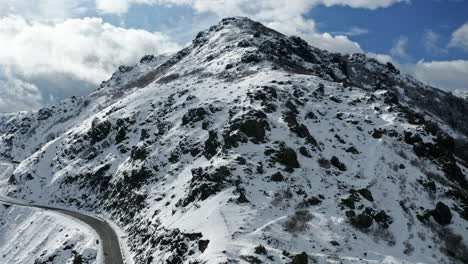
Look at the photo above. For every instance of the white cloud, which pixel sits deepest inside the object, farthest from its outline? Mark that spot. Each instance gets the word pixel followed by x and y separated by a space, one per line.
pixel 16 94
pixel 450 76
pixel 399 48
pixel 382 58
pixel 44 10
pixel 305 28
pixel 430 42
pixel 286 16
pixel 119 7
pixel 68 58
pixel 113 6
pixel 333 43
pixel 460 38
pixel 353 31
pixel 369 4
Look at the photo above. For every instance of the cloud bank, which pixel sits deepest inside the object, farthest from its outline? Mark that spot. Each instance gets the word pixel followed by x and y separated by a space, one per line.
pixel 43 62
pixel 460 38
pixel 451 75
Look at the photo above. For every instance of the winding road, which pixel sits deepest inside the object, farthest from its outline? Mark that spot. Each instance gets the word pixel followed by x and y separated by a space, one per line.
pixel 112 253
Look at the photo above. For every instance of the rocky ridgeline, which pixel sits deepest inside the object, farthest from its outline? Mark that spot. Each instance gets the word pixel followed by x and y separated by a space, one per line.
pixel 248 139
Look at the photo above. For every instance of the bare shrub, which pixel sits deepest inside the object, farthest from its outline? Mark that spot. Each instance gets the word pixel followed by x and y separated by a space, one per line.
pixel 380 233
pixel 408 248
pixel 418 164
pixel 402 154
pixel 51 136
pixel 324 163
pixel 281 196
pixel 453 243
pixel 299 222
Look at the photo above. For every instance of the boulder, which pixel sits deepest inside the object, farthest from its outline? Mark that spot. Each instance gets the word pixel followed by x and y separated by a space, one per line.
pixel 442 214
pixel 362 221
pixel 302 258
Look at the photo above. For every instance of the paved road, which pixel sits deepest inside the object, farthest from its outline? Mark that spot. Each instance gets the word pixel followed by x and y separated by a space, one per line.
pixel 108 238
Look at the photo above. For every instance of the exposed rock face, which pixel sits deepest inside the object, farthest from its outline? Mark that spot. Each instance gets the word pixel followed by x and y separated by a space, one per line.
pixel 249 137
pixel 442 214
pixel 99 130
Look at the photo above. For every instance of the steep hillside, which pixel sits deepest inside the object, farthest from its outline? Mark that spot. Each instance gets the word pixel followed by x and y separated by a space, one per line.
pixel 249 146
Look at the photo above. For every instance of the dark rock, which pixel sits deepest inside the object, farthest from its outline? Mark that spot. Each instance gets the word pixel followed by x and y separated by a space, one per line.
pixel 174 157
pixel 243 44
pixel 260 250
pixel 211 145
pixel 99 130
pixel 203 244
pixel 147 58
pixel 302 258
pixel 242 198
pixel 299 129
pixel 137 178
pixel 337 163
pixel 311 115
pixel 390 98
pixel 194 115
pixel 277 177
pixel 392 68
pixel 324 163
pixel 366 194
pixel 304 152
pixel 254 129
pixel 204 184
pixel 313 201
pixel 288 157
pixel 349 202
pixel 241 160
pixel 252 125
pixel 350 213
pixel 352 150
pixel 250 58
pixel 377 133
pixel 291 107
pixel 44 113
pixel 454 173
pixel 144 134
pixel 320 90
pixel 412 139
pixel 363 221
pixel 335 99
pixel 124 68
pixel 139 153
pixel 229 66
pixel 12 180
pixel 383 219
pixel 121 135
pixel 442 214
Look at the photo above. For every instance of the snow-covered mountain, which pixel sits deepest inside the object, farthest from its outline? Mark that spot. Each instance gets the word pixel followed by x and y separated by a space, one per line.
pixel 250 146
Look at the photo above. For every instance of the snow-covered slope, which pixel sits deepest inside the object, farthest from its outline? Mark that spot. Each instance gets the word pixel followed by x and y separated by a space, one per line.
pixel 249 146
pixel 36 236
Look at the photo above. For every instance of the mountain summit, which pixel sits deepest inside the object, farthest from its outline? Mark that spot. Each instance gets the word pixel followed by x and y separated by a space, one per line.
pixel 249 146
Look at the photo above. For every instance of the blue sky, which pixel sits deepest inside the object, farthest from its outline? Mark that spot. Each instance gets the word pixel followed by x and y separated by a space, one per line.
pixel 52 49
pixel 413 21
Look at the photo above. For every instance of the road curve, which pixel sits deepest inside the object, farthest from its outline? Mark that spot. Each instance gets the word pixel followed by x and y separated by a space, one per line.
pixel 112 254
